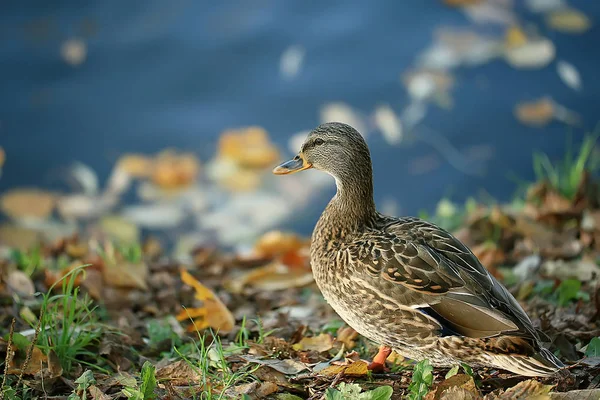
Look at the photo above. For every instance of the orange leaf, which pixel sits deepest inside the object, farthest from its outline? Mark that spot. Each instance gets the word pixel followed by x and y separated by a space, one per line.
pixel 213 312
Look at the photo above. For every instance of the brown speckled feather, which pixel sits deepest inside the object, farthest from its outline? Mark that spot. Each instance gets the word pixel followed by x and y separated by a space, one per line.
pixel 406 283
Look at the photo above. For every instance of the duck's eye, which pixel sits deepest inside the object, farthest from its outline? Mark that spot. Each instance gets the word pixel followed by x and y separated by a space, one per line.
pixel 318 141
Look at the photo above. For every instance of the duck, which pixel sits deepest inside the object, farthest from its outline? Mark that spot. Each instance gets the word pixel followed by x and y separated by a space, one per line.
pixel 405 283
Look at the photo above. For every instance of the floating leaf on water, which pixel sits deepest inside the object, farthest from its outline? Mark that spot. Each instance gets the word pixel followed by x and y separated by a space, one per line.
pixel 291 61
pixel 568 20
pixel 544 6
pixel 388 123
pixel 2 156
pixel 569 75
pixel 488 12
pixel 423 84
pixel 74 51
pixel 535 54
pixel 118 182
pixel 27 203
pixel 213 313
pixel 249 147
pixel 536 113
pixel 86 178
pixel 342 112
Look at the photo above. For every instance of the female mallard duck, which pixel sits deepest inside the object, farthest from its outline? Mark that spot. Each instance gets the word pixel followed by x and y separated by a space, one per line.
pixel 405 283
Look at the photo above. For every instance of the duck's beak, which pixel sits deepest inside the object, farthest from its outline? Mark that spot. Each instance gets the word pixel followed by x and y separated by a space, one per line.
pixel 296 164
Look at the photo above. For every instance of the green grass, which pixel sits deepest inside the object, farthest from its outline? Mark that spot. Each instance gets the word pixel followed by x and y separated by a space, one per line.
pixel 565 175
pixel 69 324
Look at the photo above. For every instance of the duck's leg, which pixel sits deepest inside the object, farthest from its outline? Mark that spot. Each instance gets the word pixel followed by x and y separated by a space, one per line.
pixel 378 363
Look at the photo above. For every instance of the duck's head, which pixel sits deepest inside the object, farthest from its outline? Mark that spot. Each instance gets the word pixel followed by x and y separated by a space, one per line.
pixel 335 148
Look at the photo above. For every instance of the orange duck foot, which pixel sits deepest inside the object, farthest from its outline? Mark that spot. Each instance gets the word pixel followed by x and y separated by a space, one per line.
pixel 378 363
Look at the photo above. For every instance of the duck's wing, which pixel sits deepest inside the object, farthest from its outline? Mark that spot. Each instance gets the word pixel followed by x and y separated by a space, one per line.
pixel 461 293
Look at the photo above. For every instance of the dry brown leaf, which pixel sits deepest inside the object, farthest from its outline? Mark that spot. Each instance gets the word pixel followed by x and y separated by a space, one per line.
pixel 212 314
pixel 586 394
pixel 126 275
pixel 249 147
pixel 536 113
pixel 21 203
pixel 460 386
pixel 20 283
pixel 347 335
pixel 97 394
pixel 271 277
pixel 287 366
pixel 47 366
pixel 529 389
pixel 321 343
pixel 356 368
pixel 568 20
pixel 179 373
pixel 18 237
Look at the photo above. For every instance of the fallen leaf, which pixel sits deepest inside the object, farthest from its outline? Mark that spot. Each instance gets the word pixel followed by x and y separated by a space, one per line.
pixel 74 51
pixel 568 20
pixel 18 237
pixel 173 170
pixel 291 61
pixel 271 277
pixel 123 274
pixel 97 394
pixel 459 386
pixel 388 123
pixel 2 156
pixel 537 113
pixel 249 147
pixel 277 243
pixel 320 343
pixel 20 283
pixel 213 312
pixel 356 368
pixel 529 389
pixel 23 203
pixel 347 336
pixel 179 373
pixel 287 366
pixel 569 75
pixel 154 216
pixel 586 394
pixel 535 54
pixel 342 112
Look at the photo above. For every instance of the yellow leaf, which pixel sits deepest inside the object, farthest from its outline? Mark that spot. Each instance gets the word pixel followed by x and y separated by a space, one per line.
pixel 357 368
pixel 213 313
pixel 569 20
pixel 515 37
pixel 320 343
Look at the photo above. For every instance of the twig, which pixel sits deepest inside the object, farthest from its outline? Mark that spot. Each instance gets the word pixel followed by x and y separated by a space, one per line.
pixel 31 347
pixel 9 356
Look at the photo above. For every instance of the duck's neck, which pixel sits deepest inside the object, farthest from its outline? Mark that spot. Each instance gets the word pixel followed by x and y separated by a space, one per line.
pixel 353 205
